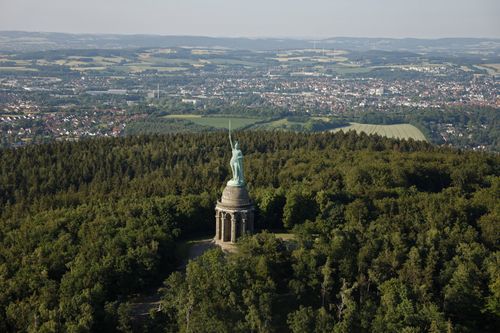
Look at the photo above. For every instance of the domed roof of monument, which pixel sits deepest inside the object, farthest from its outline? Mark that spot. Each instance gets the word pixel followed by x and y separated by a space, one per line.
pixel 235 196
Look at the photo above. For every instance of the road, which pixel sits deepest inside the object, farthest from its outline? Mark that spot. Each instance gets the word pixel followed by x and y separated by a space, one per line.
pixel 150 299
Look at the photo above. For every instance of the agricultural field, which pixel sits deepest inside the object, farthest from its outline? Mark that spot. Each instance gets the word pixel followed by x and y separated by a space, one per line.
pixel 491 68
pixel 173 61
pixel 401 131
pixel 139 68
pixel 16 62
pixel 217 122
pixel 207 52
pixel 280 124
pixel 350 69
pixel 183 116
pixel 17 69
pixel 320 56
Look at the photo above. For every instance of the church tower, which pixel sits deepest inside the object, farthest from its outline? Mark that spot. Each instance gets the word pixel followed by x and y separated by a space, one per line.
pixel 234 213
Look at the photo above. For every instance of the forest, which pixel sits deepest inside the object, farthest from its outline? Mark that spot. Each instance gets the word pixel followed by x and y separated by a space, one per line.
pixel 388 235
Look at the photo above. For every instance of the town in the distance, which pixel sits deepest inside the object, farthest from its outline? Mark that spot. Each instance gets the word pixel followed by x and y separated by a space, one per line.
pixel 69 87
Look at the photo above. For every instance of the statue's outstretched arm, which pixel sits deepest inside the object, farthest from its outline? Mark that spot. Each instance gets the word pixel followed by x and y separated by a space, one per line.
pixel 230 140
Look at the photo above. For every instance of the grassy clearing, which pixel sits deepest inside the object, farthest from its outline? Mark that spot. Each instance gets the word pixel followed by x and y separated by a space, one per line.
pixel 145 62
pixel 78 62
pixel 207 52
pixel 17 69
pixel 170 69
pixel 218 122
pixel 137 68
pixel 223 122
pixel 286 124
pixel 169 62
pixel 100 60
pixel 164 51
pixel 321 118
pixel 344 69
pixel 282 123
pixel 401 131
pixel 492 68
pixel 17 62
pixel 182 116
pixel 332 59
pixel 496 66
pixel 83 69
pixel 234 62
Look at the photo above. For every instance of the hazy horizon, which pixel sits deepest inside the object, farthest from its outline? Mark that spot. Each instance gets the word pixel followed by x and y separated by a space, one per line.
pixel 245 37
pixel 260 19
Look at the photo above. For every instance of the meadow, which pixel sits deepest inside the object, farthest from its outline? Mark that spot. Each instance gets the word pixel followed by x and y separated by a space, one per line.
pixel 401 131
pixel 217 122
pixel 280 124
pixel 492 69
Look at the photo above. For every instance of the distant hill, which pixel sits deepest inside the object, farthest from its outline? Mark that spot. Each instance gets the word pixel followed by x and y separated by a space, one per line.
pixel 37 41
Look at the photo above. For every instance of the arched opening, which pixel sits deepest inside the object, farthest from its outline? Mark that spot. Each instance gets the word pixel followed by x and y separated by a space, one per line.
pixel 226 237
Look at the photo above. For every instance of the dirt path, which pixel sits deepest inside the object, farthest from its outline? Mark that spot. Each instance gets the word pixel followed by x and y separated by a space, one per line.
pixel 150 299
pixel 197 249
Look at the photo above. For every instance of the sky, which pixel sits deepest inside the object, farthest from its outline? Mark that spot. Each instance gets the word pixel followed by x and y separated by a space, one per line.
pixel 258 18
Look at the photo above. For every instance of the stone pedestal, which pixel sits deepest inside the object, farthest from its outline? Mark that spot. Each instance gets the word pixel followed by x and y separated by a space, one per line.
pixel 234 214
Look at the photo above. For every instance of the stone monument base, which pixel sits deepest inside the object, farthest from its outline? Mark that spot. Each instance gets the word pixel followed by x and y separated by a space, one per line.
pixel 234 214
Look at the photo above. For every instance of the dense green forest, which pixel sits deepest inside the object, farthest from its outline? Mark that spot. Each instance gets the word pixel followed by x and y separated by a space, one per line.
pixel 390 235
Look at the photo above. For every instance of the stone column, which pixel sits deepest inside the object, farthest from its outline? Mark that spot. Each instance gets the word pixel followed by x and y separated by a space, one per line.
pixel 233 228
pixel 223 225
pixel 217 224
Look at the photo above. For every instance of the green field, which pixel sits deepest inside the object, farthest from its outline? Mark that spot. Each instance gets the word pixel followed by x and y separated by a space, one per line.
pixel 137 68
pixel 401 131
pixel 283 124
pixel 217 122
pixel 183 116
pixel 346 69
pixel 17 69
